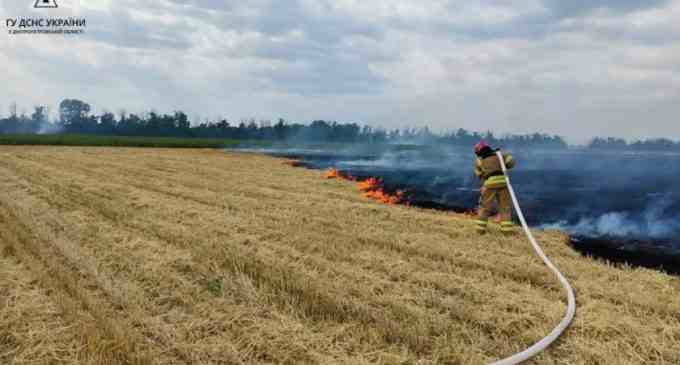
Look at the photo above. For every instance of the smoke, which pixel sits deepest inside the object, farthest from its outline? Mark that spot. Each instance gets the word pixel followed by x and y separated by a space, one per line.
pixel 49 128
pixel 655 221
pixel 588 193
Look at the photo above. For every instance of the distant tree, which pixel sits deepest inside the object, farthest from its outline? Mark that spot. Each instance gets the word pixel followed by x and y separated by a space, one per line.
pixel 107 123
pixel 252 130
pixel 38 121
pixel 152 123
pixel 130 125
pixel 39 114
pixel 607 143
pixel 280 129
pixel 168 126
pixel 72 110
pixel 73 116
pixel 182 122
pixel 241 131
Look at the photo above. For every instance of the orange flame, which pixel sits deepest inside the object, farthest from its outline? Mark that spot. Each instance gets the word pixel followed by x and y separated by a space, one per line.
pixel 370 184
pixel 332 174
pixel 383 197
pixel 373 188
pixel 336 174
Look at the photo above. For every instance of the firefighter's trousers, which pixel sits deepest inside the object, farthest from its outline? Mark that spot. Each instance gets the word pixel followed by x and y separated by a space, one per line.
pixel 501 197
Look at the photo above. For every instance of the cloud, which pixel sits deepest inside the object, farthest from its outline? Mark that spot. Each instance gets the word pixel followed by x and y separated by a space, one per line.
pixel 130 29
pixel 577 68
pixel 561 9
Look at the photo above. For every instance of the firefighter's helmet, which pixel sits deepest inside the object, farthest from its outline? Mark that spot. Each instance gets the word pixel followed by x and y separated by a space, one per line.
pixel 480 146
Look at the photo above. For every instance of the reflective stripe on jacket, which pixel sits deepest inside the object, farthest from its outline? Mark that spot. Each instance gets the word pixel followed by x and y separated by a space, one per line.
pixel 490 171
pixel 495 182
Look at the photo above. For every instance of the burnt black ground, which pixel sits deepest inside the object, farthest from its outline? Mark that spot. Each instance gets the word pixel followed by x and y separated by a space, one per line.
pixel 633 253
pixel 619 206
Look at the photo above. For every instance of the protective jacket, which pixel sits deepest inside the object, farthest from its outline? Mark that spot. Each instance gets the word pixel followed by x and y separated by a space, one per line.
pixel 488 169
pixel 495 190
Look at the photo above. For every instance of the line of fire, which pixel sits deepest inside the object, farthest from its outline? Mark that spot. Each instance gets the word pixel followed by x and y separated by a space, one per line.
pixel 635 251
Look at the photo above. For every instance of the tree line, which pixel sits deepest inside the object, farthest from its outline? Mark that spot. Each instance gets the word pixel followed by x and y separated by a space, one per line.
pixel 75 117
pixel 654 144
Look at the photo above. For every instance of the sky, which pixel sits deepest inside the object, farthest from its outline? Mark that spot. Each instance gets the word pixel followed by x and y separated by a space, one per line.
pixel 577 68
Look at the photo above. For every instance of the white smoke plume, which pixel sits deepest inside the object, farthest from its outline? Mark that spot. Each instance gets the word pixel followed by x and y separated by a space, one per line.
pixel 651 222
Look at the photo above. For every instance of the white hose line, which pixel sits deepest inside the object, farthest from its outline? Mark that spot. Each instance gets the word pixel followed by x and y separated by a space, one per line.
pixel 571 309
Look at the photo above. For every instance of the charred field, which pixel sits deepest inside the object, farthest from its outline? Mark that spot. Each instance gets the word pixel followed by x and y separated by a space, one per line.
pixel 166 256
pixel 620 207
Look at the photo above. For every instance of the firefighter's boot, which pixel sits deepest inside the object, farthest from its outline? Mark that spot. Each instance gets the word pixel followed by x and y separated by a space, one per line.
pixel 507 228
pixel 480 226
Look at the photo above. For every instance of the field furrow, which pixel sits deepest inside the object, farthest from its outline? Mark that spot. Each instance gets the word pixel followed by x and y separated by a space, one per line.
pixel 203 256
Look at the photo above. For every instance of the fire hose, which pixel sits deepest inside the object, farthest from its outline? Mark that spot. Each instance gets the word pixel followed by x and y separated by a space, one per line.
pixel 571 300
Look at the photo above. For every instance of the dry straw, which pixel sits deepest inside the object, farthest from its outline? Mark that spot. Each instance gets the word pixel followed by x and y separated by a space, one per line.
pixel 119 256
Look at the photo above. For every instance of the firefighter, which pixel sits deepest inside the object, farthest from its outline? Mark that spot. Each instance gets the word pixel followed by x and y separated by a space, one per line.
pixel 494 188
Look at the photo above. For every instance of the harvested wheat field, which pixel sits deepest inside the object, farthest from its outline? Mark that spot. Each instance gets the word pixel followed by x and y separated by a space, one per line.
pixel 159 256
